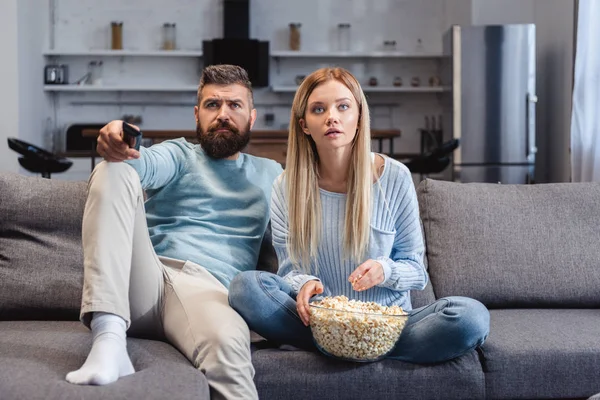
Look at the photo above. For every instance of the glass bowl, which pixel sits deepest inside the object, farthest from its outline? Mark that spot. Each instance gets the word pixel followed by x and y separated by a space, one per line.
pixel 353 335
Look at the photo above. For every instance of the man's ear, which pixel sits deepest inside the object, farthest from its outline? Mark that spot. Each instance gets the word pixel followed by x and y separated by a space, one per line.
pixel 252 118
pixel 196 109
pixel 303 126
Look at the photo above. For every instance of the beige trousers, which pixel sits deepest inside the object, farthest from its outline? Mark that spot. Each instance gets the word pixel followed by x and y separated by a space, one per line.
pixel 158 297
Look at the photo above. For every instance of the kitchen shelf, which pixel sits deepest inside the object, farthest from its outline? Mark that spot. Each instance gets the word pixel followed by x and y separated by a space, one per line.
pixel 123 53
pixel 194 88
pixel 375 89
pixel 373 54
pixel 198 53
pixel 92 88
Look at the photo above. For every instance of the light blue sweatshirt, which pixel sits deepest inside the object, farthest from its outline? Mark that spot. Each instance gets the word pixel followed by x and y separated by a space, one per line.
pixel 396 241
pixel 211 212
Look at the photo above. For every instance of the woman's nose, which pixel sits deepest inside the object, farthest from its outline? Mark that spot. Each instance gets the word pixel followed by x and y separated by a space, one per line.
pixel 332 117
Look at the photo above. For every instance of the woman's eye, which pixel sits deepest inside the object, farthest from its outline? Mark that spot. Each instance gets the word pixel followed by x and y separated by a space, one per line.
pixel 344 106
pixel 318 110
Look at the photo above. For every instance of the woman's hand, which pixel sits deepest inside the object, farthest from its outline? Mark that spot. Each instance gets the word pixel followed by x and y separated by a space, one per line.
pixel 307 291
pixel 367 275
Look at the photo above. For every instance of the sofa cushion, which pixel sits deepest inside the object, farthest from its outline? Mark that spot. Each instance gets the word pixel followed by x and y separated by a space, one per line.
pixel 267 258
pixel 41 262
pixel 301 375
pixel 420 298
pixel 542 354
pixel 514 245
pixel 35 357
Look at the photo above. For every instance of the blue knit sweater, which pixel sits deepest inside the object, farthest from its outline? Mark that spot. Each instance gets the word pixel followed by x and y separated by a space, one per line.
pixel 211 212
pixel 396 241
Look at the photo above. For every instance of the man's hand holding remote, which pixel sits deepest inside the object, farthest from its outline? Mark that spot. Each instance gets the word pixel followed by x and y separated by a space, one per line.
pixel 111 145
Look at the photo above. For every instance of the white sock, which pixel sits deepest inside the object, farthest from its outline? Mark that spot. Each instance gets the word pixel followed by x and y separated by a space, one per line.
pixel 108 359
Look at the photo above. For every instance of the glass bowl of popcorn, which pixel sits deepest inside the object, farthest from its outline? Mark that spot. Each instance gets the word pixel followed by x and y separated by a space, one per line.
pixel 354 330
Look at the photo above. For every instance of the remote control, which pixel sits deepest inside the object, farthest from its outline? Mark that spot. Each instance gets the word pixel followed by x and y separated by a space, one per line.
pixel 132 136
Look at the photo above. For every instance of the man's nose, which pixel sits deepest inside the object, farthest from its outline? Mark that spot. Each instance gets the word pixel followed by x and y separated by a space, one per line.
pixel 223 114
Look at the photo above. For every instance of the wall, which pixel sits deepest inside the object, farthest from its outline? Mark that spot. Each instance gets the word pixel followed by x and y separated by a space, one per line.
pixel 32 28
pixel 555 21
pixel 9 124
pixel 457 12
pixel 23 104
pixel 491 12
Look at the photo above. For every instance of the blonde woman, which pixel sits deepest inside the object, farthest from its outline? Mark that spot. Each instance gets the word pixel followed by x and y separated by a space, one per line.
pixel 346 222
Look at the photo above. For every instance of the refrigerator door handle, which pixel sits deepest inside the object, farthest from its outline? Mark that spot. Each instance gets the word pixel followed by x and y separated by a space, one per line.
pixel 530 101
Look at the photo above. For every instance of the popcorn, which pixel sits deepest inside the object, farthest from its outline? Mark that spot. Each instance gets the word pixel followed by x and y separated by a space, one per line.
pixel 356 330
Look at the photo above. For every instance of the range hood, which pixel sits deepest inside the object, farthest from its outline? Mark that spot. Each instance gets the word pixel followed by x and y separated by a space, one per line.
pixel 236 47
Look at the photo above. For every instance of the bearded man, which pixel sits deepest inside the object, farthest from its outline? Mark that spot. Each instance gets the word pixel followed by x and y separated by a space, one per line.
pixel 160 268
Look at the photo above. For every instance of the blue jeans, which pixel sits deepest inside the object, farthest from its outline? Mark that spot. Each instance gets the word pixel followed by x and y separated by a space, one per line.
pixel 441 331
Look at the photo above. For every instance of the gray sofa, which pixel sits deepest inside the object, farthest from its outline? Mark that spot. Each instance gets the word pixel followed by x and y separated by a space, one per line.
pixel 530 253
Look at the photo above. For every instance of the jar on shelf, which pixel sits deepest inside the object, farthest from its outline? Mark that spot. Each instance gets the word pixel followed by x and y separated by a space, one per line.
pixel 169 36
pixel 397 81
pixel 95 72
pixel 373 81
pixel 295 36
pixel 389 45
pixel 435 81
pixel 419 46
pixel 343 37
pixel 116 33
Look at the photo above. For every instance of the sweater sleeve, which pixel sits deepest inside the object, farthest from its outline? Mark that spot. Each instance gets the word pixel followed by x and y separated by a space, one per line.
pixel 404 268
pixel 279 225
pixel 158 165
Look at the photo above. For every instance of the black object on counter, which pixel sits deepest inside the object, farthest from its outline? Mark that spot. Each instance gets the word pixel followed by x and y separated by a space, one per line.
pixel 37 160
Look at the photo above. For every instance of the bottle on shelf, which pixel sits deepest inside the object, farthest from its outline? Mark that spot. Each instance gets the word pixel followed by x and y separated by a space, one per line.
pixel 344 37
pixel 169 36
pixel 389 45
pixel 95 68
pixel 295 36
pixel 116 30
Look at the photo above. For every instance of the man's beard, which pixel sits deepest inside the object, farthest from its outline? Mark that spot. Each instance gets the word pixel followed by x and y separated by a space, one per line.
pixel 222 144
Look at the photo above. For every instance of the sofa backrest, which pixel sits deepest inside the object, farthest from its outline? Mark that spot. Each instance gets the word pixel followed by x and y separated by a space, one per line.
pixel 41 259
pixel 514 245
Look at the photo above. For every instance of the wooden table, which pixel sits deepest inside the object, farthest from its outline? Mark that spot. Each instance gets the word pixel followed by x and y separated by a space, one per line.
pixel 263 143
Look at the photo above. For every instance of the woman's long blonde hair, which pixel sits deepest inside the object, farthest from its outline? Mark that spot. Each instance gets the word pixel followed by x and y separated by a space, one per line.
pixel 302 173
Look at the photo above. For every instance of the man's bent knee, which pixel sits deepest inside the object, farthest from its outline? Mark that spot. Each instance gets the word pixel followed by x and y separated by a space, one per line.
pixel 229 344
pixel 118 176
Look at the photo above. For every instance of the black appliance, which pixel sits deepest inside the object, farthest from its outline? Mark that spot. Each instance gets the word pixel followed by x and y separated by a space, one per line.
pixel 56 74
pixel 38 160
pixel 236 47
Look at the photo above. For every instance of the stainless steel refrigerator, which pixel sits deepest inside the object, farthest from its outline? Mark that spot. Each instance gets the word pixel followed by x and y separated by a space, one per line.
pixel 490 107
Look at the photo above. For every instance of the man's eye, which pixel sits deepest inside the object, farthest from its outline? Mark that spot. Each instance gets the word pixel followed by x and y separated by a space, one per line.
pixel 236 105
pixel 212 104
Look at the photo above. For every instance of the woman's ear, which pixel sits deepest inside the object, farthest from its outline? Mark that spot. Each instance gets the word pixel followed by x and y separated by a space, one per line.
pixel 303 126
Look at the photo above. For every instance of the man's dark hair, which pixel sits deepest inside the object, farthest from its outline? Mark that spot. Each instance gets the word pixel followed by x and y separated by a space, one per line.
pixel 225 74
